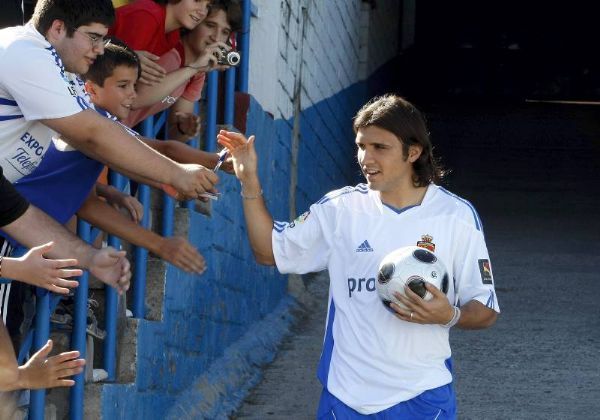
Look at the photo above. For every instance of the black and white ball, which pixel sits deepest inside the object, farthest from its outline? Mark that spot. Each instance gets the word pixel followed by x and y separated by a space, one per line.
pixel 410 266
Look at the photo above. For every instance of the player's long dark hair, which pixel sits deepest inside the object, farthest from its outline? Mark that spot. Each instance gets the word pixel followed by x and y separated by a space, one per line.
pixel 400 117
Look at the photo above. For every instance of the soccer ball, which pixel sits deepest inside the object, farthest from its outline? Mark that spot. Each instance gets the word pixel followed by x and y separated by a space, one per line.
pixel 410 266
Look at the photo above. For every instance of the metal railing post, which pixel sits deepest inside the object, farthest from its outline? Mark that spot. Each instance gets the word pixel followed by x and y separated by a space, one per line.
pixel 211 111
pixel 244 46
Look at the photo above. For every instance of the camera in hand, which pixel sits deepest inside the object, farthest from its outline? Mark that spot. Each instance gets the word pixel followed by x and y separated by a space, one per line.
pixel 228 58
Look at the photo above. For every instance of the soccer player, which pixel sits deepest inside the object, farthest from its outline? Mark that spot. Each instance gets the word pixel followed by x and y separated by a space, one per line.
pixel 378 363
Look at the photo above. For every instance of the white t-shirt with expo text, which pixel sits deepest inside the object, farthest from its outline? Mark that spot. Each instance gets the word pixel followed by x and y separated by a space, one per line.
pixel 33 86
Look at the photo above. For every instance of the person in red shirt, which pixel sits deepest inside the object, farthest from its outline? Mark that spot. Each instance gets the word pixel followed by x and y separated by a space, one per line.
pixel 151 28
pixel 186 65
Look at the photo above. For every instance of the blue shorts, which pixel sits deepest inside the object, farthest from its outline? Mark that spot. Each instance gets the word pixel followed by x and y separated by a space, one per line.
pixel 434 404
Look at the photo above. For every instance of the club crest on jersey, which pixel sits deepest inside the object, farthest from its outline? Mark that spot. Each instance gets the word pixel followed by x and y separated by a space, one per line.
pixel 364 247
pixel 486 271
pixel 426 242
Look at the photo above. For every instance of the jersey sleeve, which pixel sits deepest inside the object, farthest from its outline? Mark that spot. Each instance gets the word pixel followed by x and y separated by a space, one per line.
pixel 473 270
pixel 193 90
pixel 36 80
pixel 12 205
pixel 302 246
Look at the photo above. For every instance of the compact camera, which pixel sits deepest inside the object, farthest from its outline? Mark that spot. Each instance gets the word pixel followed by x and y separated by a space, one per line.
pixel 228 58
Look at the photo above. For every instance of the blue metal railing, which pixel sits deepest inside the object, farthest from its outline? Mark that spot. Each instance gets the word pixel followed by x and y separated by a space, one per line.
pixel 46 302
pixel 244 46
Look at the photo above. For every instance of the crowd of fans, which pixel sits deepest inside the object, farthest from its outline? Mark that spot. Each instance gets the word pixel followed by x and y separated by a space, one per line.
pixel 74 82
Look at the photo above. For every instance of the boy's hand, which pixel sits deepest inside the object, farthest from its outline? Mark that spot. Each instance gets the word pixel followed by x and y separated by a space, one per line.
pixel 111 267
pixel 35 269
pixel 179 252
pixel 120 200
pixel 42 371
pixel 152 73
pixel 187 123
pixel 194 180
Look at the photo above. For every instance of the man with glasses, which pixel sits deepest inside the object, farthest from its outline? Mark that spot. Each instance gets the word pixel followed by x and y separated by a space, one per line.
pixel 38 98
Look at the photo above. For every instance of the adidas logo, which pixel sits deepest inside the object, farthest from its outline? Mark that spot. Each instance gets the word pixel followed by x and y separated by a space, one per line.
pixel 364 247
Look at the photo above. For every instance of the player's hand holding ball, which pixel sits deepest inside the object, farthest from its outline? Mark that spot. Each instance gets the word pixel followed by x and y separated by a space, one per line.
pixel 437 310
pixel 413 283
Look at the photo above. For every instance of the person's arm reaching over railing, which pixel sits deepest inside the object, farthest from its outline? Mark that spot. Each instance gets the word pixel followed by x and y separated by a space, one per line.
pixel 33 268
pixel 183 153
pixel 108 142
pixel 176 250
pixel 40 371
pixel 121 201
pixel 35 227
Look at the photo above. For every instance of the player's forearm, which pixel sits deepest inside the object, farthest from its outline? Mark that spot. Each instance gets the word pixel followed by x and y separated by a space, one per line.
pixel 259 222
pixel 149 95
pixel 35 227
pixel 474 316
pixel 110 220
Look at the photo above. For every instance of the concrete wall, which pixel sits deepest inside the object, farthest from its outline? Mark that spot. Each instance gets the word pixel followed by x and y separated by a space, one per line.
pixel 344 42
pixel 204 354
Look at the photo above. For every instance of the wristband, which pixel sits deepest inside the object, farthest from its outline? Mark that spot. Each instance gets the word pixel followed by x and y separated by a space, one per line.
pixel 251 197
pixel 454 319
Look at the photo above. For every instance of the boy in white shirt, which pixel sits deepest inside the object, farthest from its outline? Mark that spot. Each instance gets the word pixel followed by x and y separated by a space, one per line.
pixel 37 101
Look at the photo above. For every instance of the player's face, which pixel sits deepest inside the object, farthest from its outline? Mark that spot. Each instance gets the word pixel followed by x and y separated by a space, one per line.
pixel 383 162
pixel 118 92
pixel 215 28
pixel 79 51
pixel 189 13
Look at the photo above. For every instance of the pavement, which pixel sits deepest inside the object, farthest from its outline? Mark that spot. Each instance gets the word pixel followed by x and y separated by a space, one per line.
pixel 533 173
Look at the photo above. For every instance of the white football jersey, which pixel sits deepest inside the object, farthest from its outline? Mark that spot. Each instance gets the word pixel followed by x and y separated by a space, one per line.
pixel 372 360
pixel 33 86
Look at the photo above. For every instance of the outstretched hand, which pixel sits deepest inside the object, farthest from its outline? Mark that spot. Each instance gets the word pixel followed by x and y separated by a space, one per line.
pixel 152 72
pixel 35 269
pixel 243 154
pixel 194 181
pixel 111 267
pixel 42 371
pixel 179 252
pixel 435 311
pixel 187 123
